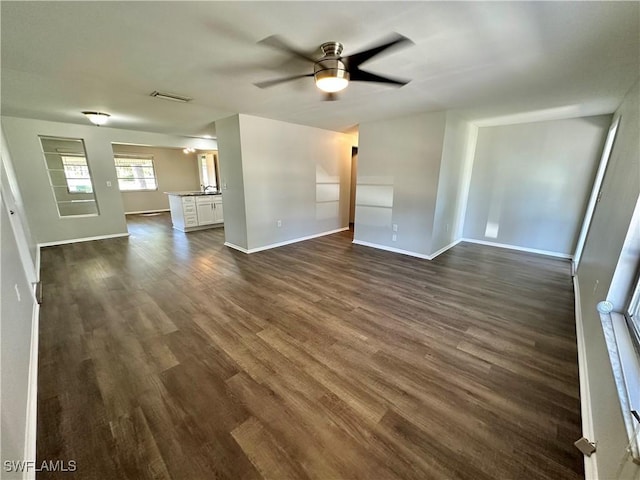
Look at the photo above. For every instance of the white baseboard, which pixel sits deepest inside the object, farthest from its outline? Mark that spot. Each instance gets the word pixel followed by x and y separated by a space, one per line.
pixel 147 211
pixel 392 249
pixel 520 249
pixel 444 249
pixel 236 247
pixel 286 242
pixel 31 424
pixel 32 395
pixel 590 463
pixel 407 252
pixel 85 239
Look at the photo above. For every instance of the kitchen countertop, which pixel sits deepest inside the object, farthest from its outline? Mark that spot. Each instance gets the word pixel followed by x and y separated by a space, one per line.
pixel 192 193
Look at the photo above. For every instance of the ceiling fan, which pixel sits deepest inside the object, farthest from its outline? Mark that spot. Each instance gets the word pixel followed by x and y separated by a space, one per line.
pixel 332 72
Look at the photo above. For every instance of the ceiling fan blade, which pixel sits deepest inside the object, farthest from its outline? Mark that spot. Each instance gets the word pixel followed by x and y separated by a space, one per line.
pixel 277 81
pixel 358 75
pixel 356 59
pixel 279 43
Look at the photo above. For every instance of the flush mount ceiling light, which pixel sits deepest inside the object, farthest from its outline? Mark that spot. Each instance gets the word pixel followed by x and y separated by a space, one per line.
pixel 97 118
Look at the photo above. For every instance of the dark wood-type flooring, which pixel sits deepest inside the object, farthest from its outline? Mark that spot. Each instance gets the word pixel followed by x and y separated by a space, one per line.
pixel 167 355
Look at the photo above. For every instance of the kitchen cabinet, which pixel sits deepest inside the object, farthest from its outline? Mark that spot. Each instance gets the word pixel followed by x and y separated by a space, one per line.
pixel 205 210
pixel 195 211
pixel 218 212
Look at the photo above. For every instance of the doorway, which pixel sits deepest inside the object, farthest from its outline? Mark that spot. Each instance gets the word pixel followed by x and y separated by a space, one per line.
pixel 354 182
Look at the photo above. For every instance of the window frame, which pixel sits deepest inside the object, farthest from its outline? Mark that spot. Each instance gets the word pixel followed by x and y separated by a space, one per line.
pixel 622 333
pixel 141 159
pixel 632 314
pixel 74 201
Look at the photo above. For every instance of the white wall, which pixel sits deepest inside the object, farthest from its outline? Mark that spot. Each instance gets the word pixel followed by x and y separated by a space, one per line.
pixel 232 181
pixel 13 199
pixel 398 171
pixel 46 226
pixel 451 186
pixel 283 172
pixel 17 332
pixel 175 171
pixel 611 219
pixel 296 174
pixel 531 181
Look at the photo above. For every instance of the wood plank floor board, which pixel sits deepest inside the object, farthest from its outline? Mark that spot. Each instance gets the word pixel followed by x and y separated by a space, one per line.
pixel 166 355
pixel 266 454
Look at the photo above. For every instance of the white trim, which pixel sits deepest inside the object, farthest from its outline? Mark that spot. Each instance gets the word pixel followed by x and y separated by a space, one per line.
pixel 199 227
pixel 31 427
pixel 286 242
pixel 296 240
pixel 626 372
pixel 32 395
pixel 147 211
pixel 236 247
pixel 520 249
pixel 444 249
pixel 392 249
pixel 586 413
pixel 37 263
pixel 73 217
pixel 406 252
pixel 85 239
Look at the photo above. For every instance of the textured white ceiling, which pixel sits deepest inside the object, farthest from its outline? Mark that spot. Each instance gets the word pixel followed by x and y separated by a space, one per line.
pixel 485 59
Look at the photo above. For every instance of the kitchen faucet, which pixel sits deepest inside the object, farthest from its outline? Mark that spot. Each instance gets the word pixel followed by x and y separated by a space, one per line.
pixel 209 187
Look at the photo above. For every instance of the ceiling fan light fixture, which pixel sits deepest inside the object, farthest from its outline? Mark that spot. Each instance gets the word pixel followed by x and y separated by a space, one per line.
pixel 331 75
pixel 97 118
pixel 331 84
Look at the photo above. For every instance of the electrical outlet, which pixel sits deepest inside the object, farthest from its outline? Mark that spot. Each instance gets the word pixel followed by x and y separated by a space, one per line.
pixel 394 237
pixel 395 227
pixel 279 223
pixel 447 228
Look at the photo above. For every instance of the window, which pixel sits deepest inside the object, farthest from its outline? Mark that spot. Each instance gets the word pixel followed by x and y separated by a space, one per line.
pixel 622 331
pixel 630 360
pixel 135 173
pixel 76 172
pixel 69 176
pixel 208 169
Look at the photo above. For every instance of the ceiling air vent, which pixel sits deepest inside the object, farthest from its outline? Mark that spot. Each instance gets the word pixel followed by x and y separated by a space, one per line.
pixel 171 96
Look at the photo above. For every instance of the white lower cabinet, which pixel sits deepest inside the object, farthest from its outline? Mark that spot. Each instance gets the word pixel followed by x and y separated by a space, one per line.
pixel 193 212
pixel 205 208
pixel 218 212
